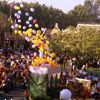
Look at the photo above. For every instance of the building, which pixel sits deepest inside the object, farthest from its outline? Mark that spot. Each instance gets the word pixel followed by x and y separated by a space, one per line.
pixel 50 33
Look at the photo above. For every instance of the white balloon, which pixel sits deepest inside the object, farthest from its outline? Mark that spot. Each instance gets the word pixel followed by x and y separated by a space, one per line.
pixel 42 29
pixel 21 5
pixel 32 9
pixel 30 18
pixel 12 26
pixel 65 94
pixel 33 46
pixel 33 31
pixel 27 38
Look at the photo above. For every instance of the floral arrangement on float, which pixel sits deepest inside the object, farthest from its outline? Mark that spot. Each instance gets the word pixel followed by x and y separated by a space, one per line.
pixel 43 63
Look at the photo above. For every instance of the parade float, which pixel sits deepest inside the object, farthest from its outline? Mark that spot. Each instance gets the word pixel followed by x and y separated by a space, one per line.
pixel 44 71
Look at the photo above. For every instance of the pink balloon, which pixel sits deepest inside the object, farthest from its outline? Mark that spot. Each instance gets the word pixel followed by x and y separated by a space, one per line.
pixel 12 5
pixel 34 21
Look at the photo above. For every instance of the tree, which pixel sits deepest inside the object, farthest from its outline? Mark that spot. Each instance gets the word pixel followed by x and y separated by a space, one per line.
pixel 76 42
pixel 89 12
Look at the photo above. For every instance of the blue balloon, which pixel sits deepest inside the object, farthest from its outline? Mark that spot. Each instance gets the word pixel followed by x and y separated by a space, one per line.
pixel 12 27
pixel 27 38
pixel 30 18
pixel 15 7
pixel 33 31
pixel 19 20
pixel 32 9
pixel 16 25
pixel 19 12
pixel 30 25
pixel 16 14
pixel 24 27
pixel 27 22
pixel 26 14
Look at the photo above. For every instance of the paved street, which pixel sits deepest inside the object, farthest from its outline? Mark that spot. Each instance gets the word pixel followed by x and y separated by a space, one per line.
pixel 13 95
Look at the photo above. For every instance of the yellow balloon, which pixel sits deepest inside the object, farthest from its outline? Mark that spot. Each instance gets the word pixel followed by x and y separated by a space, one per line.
pixel 46 53
pixel 36 26
pixel 31 39
pixel 46 47
pixel 30 30
pixel 43 61
pixel 45 56
pixel 38 32
pixel 41 49
pixel 29 34
pixel 47 42
pixel 15 31
pixel 80 81
pixel 25 33
pixel 52 55
pixel 45 37
pixel 20 26
pixel 42 43
pixel 18 8
pixel 49 60
pixel 33 64
pixel 40 36
pixel 19 32
pixel 39 40
pixel 35 41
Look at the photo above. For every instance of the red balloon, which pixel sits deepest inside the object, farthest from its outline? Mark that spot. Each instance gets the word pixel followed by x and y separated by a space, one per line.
pixel 34 21
pixel 12 5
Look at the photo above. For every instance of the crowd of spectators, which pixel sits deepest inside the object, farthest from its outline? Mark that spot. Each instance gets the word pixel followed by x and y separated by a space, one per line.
pixel 13 68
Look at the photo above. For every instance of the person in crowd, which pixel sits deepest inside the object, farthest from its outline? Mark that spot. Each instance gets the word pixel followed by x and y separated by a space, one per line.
pixel 90 77
pixel 95 79
pixel 98 84
pixel 84 73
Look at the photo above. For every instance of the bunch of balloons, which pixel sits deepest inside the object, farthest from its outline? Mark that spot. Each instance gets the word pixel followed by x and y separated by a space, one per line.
pixel 35 36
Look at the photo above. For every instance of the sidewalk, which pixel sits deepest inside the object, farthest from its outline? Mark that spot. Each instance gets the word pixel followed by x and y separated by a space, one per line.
pixel 13 95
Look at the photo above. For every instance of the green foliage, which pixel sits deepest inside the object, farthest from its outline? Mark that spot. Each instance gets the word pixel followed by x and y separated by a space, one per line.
pixel 78 41
pixel 94 69
pixel 89 12
pixel 37 86
pixel 46 16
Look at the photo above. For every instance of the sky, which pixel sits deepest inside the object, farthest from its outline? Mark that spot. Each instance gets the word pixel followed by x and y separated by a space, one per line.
pixel 64 5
